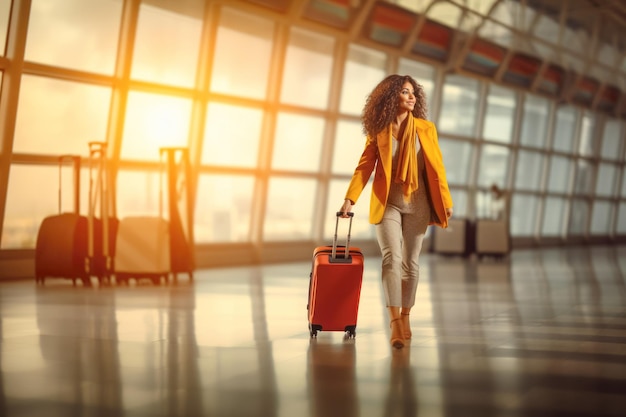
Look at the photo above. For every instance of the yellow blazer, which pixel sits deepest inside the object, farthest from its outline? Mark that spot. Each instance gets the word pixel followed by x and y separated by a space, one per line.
pixel 377 154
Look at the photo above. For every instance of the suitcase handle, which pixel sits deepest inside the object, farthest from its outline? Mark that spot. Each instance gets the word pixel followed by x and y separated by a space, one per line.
pixel 333 255
pixel 76 181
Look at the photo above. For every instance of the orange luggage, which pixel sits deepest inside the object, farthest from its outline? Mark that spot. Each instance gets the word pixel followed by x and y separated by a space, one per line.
pixel 335 287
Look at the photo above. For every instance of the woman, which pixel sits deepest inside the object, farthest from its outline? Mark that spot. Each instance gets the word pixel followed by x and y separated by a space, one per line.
pixel 409 192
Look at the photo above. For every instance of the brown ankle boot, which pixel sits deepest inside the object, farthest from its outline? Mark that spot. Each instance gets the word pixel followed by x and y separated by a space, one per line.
pixel 397 340
pixel 406 326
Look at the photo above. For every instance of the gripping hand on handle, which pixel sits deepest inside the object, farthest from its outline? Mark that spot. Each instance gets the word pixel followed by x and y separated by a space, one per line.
pixel 346 208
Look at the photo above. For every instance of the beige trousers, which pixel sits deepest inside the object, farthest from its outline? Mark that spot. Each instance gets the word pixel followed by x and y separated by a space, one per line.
pixel 400 235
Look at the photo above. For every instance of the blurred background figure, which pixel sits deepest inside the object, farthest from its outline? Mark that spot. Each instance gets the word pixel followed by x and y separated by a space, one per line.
pixel 499 207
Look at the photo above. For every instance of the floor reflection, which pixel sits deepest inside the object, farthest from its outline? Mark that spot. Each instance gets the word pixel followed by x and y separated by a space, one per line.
pixel 538 334
pixel 402 394
pixel 332 377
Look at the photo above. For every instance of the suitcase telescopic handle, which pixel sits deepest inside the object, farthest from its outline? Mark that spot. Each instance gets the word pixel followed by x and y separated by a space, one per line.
pixel 347 252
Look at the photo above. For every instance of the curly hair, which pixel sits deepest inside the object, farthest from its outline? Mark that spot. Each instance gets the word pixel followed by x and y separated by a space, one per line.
pixel 381 105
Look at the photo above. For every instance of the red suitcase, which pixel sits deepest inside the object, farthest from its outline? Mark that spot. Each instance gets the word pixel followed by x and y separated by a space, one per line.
pixel 335 287
pixel 61 247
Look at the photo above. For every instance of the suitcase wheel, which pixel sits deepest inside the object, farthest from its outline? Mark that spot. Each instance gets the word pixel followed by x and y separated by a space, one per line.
pixel 350 332
pixel 314 328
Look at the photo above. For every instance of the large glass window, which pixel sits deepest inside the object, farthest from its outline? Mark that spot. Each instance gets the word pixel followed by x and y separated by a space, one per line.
pixel 612 140
pixel 167 43
pixel 459 103
pixel 456 157
pixel 223 208
pixel 554 216
pixel 364 69
pixel 59 117
pixel 459 198
pixel 77 34
pixel 25 210
pixel 565 129
pixel 227 141
pixel 349 144
pixel 578 217
pixel 243 51
pixel 138 193
pixel 289 213
pixel 298 142
pixel 535 122
pixel 308 67
pixel 523 215
pixel 152 122
pixel 605 182
pixel 493 167
pixel 529 170
pixel 560 174
pixel 500 114
pixel 601 218
pixel 584 174
pixel 621 219
pixel 586 145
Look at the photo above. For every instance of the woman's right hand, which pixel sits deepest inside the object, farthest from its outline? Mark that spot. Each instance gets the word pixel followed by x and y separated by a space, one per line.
pixel 346 208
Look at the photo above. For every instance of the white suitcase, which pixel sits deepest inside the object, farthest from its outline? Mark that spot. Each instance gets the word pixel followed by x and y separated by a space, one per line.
pixel 142 249
pixel 492 238
pixel 456 239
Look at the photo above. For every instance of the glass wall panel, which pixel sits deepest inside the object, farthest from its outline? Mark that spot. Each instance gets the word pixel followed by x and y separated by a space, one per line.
pixel 138 193
pixel 612 140
pixel 289 213
pixel 152 122
pixel 578 217
pixel 5 9
pixel 493 167
pixel 361 227
pixel 227 218
pixel 523 215
pixel 227 141
pixel 167 43
pixel 583 181
pixel 605 182
pixel 601 218
pixel 364 69
pixel 483 204
pixel 77 34
pixel 422 73
pixel 621 219
pixel 59 117
pixel 24 211
pixel 560 174
pixel 565 129
pixel 459 199
pixel 459 104
pixel 349 144
pixel 307 71
pixel 623 192
pixel 499 115
pixel 298 142
pixel 586 145
pixel 553 217
pixel 456 158
pixel 235 72
pixel 529 170
pixel 535 122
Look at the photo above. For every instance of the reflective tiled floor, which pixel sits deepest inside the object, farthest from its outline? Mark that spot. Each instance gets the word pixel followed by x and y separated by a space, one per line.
pixel 542 334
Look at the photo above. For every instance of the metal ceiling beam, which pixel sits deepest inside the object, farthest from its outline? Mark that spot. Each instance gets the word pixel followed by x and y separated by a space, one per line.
pixel 361 17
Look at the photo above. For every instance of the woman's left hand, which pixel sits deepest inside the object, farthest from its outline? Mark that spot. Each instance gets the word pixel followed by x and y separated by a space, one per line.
pixel 449 212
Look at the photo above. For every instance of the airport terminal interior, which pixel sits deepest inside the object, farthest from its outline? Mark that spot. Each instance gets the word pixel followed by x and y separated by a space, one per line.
pixel 211 142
